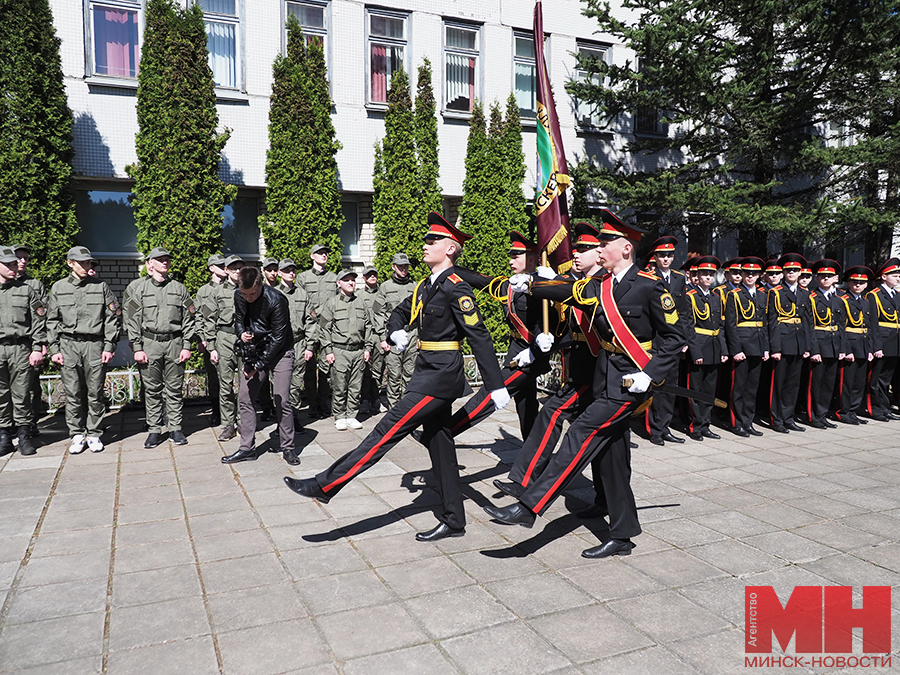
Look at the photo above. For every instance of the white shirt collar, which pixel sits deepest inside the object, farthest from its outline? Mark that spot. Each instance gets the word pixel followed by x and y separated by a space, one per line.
pixel 621 275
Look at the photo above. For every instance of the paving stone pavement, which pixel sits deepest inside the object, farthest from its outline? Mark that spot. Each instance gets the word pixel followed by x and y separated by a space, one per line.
pixel 166 561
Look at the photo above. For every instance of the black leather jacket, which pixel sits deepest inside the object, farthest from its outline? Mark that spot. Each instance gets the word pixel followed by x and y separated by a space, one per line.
pixel 268 318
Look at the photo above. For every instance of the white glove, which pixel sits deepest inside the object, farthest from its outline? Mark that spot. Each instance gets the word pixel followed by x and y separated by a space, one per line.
pixel 641 383
pixel 544 341
pixel 500 397
pixel 400 338
pixel 519 282
pixel 545 272
pixel 524 358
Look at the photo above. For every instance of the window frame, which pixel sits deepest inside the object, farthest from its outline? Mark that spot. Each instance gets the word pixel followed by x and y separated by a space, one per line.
pixel 90 65
pixel 325 33
pixel 236 20
pixel 391 42
pixel 459 51
pixel 593 118
pixel 527 119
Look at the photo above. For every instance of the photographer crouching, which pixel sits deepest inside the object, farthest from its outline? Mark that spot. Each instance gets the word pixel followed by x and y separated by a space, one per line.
pixel 266 345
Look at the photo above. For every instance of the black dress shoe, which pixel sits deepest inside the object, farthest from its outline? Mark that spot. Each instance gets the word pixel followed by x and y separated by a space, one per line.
pixel 859 420
pixel 740 431
pixel 672 438
pixel 793 426
pixel 778 428
pixel 593 511
pixel 657 441
pixel 510 488
pixel 893 416
pixel 308 487
pixel 153 440
pixel 514 514
pixel 608 548
pixel 816 424
pixel 849 419
pixel 696 436
pixel 178 437
pixel 878 417
pixel 240 456
pixel 215 420
pixel 291 458
pixel 753 431
pixel 632 445
pixel 441 531
pixel 706 433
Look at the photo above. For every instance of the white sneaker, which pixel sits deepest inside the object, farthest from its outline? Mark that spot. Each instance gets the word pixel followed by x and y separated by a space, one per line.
pixel 77 444
pixel 353 423
pixel 340 425
pixel 95 444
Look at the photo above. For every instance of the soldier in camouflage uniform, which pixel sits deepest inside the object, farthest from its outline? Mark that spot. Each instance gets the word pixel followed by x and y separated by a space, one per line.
pixel 159 320
pixel 374 370
pixel 216 265
pixel 83 326
pixel 23 340
pixel 216 320
pixel 38 407
pixel 399 365
pixel 319 285
pixel 301 325
pixel 345 337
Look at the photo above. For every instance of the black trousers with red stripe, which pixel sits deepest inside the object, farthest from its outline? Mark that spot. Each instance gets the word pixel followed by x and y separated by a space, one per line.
pixel 852 386
pixel 822 378
pixel 701 378
pixel 522 387
pixel 785 389
pixel 566 404
pixel 661 411
pixel 744 383
pixel 600 432
pixel 880 376
pixel 411 411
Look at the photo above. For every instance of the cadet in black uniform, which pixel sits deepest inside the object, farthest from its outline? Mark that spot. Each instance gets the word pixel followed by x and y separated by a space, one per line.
pixel 707 349
pixel 858 332
pixel 748 345
pixel 884 306
pixel 444 310
pixel 641 339
pixel 829 343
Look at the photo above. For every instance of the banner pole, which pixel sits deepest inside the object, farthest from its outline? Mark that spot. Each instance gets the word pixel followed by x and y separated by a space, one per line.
pixel 545 303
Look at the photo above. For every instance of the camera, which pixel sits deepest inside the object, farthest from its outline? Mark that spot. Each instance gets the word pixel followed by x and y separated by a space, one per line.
pixel 249 353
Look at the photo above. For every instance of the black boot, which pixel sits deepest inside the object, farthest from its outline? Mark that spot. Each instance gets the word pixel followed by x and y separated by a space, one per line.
pixel 26 447
pixel 6 444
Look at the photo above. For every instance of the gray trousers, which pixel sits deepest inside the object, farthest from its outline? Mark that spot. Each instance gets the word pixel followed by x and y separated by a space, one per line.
pixel 400 368
pixel 281 389
pixel 83 375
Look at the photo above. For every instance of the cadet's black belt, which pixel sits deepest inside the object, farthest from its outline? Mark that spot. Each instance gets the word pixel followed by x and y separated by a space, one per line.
pixel 81 337
pixel 15 341
pixel 349 345
pixel 161 337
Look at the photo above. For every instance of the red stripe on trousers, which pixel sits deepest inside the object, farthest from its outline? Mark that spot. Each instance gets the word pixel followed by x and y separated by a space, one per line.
pixel 549 430
pixel 481 405
pixel 731 394
pixel 575 459
pixel 356 467
pixel 809 398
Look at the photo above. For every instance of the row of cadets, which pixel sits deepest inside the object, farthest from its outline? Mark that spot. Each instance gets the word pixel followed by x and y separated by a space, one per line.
pixel 829 342
pixel 884 305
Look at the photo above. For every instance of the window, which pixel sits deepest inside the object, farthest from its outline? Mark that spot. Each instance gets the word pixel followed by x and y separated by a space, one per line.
pixel 240 226
pixel 222 35
pixel 648 120
pixel 461 45
pixel 585 112
pixel 525 73
pixel 387 36
pixel 106 219
pixel 114 32
pixel 313 16
pixel 350 230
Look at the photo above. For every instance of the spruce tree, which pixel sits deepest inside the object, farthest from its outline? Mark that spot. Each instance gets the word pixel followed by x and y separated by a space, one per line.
pixel 302 199
pixel 431 198
pixel 36 202
pixel 178 196
pixel 512 167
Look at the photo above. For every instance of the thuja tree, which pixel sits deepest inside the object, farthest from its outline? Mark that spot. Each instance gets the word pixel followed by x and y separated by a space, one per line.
pixel 302 199
pixel 511 164
pixel 178 196
pixel 430 195
pixel 36 202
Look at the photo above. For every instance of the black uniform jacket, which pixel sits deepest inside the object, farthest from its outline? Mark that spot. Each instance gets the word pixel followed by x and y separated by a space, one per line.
pixel 448 314
pixel 678 287
pixel 745 322
pixel 859 331
pixel 789 319
pixel 708 340
pixel 269 319
pixel 648 310
pixel 829 339
pixel 885 313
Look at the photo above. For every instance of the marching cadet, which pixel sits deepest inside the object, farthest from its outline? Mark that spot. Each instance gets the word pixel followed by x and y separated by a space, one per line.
pixel 444 310
pixel 884 307
pixel 858 332
pixel 829 343
pixel 374 370
pixel 23 341
pixel 159 320
pixel 301 325
pixel 217 317
pixel 659 416
pixel 707 349
pixel 319 285
pixel 641 339
pixel 805 278
pixel 733 278
pixel 345 337
pixel 789 322
pixel 83 326
pixel 773 274
pixel 393 292
pixel 748 345
pixel 270 272
pixel 23 256
pixel 216 265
